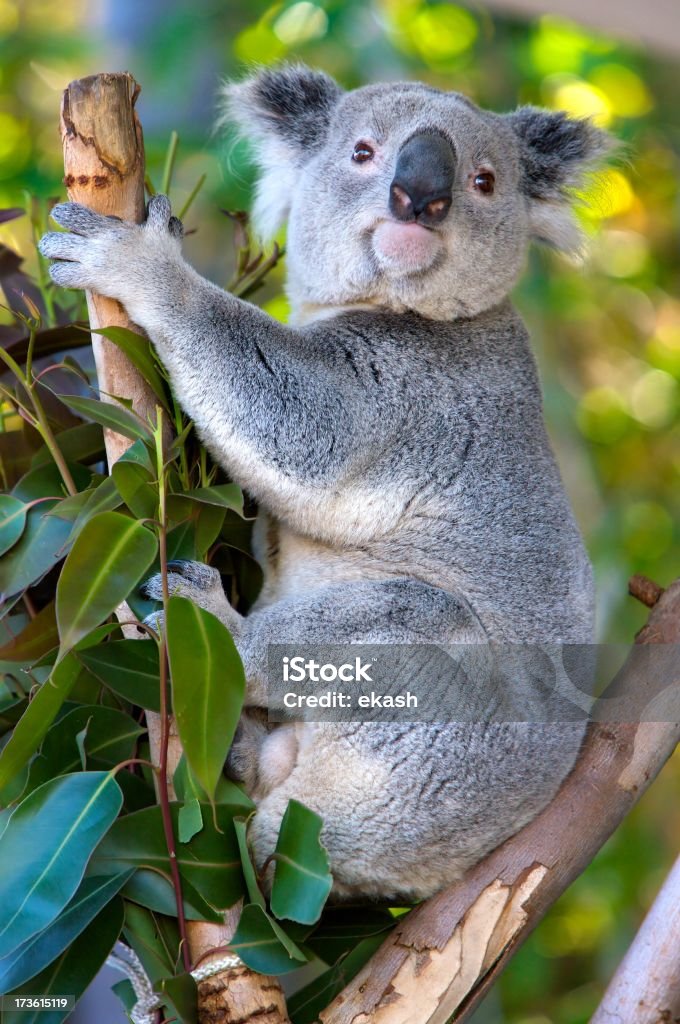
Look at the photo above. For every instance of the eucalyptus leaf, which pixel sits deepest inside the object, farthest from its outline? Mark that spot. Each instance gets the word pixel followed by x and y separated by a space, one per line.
pixel 75 968
pixel 302 880
pixel 37 638
pixel 133 483
pixel 154 891
pixel 140 353
pixel 40 547
pixel 210 862
pixel 46 482
pixel 181 994
pixel 37 952
pixel 208 687
pixel 128 668
pixel 259 944
pixel 189 820
pixel 111 415
pixel 37 718
pixel 12 521
pixel 45 847
pixel 154 938
pixel 103 498
pixel 225 495
pixel 106 561
pixel 110 738
pixel 254 892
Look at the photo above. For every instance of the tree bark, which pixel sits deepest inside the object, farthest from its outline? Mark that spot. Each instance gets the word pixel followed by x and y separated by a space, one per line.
pixel 104 169
pixel 646 986
pixel 439 963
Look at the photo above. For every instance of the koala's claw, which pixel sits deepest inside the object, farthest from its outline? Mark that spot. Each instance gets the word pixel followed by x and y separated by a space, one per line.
pixel 159 217
pixel 83 221
pixel 184 577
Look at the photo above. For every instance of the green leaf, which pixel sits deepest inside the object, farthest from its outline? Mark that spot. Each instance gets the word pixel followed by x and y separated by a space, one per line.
pixel 12 521
pixel 46 482
pixel 128 668
pixel 208 687
pixel 73 971
pixel 37 718
pixel 106 561
pixel 37 638
pixel 132 481
pixel 225 495
pixel 302 880
pixel 208 525
pixel 40 547
pixel 227 792
pixel 254 893
pixel 126 993
pixel 45 848
pixel 181 994
pixel 139 454
pixel 110 739
pixel 210 862
pixel 155 940
pixel 103 498
pixel 154 891
pixel 140 353
pixel 260 947
pixel 111 415
pixel 189 820
pixel 71 507
pixel 92 896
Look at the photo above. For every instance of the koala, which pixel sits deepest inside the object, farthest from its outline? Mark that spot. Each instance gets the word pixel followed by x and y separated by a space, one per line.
pixel 392 435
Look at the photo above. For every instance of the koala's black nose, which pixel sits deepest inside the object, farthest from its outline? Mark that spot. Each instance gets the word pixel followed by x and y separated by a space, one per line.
pixel 423 179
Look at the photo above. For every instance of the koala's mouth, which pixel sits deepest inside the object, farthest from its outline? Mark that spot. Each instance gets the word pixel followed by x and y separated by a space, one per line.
pixel 405 248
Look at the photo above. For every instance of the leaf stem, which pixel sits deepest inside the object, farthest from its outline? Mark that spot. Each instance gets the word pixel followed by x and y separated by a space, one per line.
pixel 41 422
pixel 192 195
pixel 169 163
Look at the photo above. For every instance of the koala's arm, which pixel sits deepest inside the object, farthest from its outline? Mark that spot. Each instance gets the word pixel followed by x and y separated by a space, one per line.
pixel 283 415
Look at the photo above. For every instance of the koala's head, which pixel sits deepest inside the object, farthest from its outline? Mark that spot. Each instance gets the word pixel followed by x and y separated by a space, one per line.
pixel 405 196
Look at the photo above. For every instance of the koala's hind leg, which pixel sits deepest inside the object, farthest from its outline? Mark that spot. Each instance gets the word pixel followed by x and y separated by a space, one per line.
pixel 382 833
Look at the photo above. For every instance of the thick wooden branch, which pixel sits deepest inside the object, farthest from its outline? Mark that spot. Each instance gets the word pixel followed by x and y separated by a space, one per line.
pixel 438 964
pixel 646 986
pixel 104 169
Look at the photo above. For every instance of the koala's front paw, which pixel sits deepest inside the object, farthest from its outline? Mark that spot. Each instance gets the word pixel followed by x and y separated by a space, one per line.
pixel 108 255
pixel 199 583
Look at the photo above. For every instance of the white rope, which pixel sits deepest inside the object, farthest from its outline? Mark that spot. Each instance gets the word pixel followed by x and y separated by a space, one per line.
pixel 214 967
pixel 148 1002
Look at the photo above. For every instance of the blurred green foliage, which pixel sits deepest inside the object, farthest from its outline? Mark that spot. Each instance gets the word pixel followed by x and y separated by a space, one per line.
pixel 607 334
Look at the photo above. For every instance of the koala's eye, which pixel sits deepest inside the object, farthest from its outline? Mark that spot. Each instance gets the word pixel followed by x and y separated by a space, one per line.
pixel 362 153
pixel 484 182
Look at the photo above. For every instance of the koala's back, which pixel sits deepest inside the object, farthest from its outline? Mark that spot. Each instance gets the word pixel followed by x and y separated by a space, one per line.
pixel 458 484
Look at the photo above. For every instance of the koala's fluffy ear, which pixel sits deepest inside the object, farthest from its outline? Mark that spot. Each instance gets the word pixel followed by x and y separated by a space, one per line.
pixel 557 152
pixel 284 113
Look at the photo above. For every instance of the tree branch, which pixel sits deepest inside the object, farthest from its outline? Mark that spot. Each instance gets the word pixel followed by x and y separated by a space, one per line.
pixel 646 986
pixel 442 960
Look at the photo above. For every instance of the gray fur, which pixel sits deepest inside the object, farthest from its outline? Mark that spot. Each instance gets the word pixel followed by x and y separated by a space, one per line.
pixel 394 440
